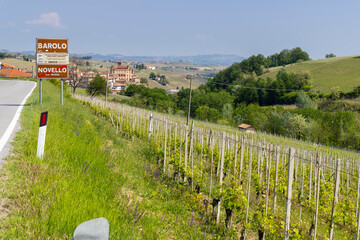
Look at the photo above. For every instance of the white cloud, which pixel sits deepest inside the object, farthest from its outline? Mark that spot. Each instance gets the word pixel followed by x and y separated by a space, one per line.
pixel 51 19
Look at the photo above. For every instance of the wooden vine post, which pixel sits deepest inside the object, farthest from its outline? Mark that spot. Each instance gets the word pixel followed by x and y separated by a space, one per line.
pixel 289 193
pixel 150 126
pixel 276 175
pixel 221 172
pixel 268 179
pixel 248 188
pixel 357 192
pixel 336 196
pixel 241 157
pixel 186 150
pixel 358 211
pixel 191 154
pixel 165 145
pixel 318 163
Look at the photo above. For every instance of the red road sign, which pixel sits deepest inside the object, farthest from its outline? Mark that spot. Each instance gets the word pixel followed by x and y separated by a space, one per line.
pixel 52 71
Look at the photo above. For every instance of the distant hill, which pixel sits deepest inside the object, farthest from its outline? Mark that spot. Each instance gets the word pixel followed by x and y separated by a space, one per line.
pixel 203 60
pixel 327 74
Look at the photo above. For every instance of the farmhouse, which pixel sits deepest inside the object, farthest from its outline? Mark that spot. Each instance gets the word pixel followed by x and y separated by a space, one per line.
pixel 247 128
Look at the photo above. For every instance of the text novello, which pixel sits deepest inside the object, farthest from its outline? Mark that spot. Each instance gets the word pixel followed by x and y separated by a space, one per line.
pixel 53 70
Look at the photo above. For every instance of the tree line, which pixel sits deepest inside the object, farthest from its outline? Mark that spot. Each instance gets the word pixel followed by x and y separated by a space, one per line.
pixel 258 64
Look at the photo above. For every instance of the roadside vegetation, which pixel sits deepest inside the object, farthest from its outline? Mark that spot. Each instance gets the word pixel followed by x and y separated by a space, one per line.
pixel 88 171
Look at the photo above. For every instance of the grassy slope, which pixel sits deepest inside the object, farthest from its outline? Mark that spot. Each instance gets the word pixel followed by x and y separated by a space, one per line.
pixel 88 171
pixel 330 73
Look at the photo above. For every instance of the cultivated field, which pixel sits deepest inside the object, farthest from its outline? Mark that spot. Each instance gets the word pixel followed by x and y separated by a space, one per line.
pixel 327 74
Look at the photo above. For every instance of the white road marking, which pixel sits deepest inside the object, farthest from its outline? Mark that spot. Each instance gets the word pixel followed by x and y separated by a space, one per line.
pixel 12 125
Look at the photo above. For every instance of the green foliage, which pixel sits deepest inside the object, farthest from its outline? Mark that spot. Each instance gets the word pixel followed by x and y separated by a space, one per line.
pixel 227 111
pixel 154 98
pixel 297 126
pixel 233 198
pixel 144 80
pixel 5 55
pixel 330 55
pixel 140 66
pixel 207 113
pixel 152 75
pixel 97 86
pixel 304 101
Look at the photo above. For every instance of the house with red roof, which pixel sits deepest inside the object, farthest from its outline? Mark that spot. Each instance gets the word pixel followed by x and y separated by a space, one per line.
pixel 7 70
pixel 247 128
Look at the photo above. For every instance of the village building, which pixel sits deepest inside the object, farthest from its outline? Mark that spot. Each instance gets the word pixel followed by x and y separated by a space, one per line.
pixel 247 128
pixel 122 72
pixel 7 70
pixel 121 76
pixel 118 78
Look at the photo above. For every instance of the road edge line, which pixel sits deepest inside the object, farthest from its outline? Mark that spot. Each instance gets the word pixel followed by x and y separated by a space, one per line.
pixel 4 139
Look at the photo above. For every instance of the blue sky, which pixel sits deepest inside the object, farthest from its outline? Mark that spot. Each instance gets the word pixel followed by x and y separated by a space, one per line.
pixel 144 27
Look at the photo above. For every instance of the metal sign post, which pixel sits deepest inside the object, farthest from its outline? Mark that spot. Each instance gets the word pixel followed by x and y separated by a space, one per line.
pixel 61 91
pixel 40 94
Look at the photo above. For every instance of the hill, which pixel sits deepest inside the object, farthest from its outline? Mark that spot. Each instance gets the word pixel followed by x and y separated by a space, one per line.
pixel 209 59
pixel 18 63
pixel 327 74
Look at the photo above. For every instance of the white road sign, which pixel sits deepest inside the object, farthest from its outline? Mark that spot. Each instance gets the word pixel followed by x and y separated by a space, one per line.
pixel 52 58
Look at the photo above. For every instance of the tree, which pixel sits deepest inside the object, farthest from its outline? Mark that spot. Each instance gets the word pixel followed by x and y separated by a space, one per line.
pixel 297 126
pixel 227 111
pixel 143 80
pixel 304 101
pixel 97 86
pixel 87 63
pixel 74 79
pixel 207 113
pixel 330 55
pixel 152 75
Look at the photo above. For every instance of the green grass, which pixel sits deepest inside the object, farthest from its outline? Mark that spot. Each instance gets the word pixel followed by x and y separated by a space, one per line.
pixel 88 171
pixel 327 74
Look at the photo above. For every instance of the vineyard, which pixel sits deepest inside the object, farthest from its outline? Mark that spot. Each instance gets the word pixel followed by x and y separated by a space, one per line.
pixel 256 185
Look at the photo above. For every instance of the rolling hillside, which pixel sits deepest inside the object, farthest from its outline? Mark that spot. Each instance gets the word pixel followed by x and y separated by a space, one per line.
pixel 19 63
pixel 327 74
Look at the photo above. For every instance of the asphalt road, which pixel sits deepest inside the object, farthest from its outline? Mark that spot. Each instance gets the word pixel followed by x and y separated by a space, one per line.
pixel 13 95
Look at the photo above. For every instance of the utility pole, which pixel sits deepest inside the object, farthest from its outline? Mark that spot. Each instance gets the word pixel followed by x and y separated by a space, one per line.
pixel 107 82
pixel 188 116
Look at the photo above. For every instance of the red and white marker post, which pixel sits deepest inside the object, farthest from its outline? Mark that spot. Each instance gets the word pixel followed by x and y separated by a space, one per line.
pixel 42 134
